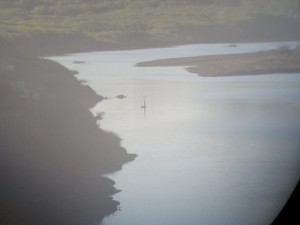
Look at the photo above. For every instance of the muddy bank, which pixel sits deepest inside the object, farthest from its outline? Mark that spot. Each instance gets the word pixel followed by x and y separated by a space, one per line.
pixel 279 61
pixel 53 154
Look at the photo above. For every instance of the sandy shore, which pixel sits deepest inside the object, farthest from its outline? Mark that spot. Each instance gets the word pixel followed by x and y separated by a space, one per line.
pixel 279 61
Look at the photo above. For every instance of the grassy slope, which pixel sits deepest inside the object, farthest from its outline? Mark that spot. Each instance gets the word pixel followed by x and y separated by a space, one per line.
pixel 79 25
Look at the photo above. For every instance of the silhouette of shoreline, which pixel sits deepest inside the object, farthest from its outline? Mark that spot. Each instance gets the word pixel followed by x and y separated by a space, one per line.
pixel 53 155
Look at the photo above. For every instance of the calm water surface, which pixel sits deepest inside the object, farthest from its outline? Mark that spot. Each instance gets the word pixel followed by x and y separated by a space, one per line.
pixel 212 151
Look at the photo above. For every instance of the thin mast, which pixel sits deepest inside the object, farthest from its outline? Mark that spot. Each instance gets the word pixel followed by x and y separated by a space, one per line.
pixel 144 105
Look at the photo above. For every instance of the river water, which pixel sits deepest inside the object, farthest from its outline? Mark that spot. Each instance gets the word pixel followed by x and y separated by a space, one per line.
pixel 212 151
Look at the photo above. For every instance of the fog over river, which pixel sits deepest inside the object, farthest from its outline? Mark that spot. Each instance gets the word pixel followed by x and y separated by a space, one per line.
pixel 211 151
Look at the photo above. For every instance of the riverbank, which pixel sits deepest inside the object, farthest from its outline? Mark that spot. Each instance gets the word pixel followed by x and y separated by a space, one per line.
pixel 277 61
pixel 53 167
pixel 53 154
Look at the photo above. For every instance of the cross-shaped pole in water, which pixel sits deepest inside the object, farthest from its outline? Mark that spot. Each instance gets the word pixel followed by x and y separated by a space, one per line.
pixel 144 106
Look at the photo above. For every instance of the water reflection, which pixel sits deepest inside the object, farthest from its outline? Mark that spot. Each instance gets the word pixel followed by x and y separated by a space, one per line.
pixel 208 158
pixel 211 150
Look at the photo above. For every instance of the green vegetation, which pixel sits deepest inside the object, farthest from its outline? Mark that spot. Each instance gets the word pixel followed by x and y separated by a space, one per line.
pixel 111 19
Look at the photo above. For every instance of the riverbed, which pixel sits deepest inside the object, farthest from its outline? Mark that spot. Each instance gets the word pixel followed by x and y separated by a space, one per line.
pixel 211 150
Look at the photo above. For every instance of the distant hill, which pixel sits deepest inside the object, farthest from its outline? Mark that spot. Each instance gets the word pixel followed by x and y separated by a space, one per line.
pixel 138 23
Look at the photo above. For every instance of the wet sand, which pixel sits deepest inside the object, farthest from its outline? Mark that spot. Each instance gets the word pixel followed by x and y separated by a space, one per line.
pixel 278 61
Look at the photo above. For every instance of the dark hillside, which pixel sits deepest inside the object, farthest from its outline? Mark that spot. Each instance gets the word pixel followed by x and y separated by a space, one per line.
pixel 52 152
pixel 261 29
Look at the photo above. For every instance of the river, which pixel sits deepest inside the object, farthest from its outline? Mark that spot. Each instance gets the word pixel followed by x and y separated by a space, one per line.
pixel 213 151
